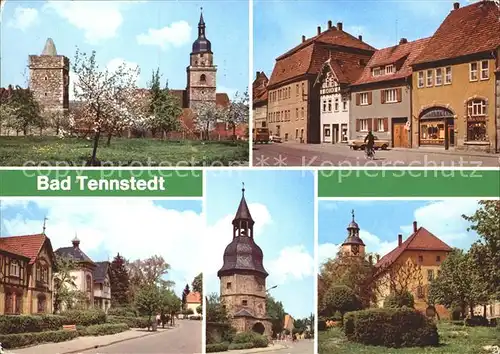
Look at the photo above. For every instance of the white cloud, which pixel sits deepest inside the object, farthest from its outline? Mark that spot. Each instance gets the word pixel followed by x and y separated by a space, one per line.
pixel 136 228
pixel 24 18
pixel 231 92
pixel 327 251
pixel 99 20
pixel 444 219
pixel 329 205
pixel 293 262
pixel 177 34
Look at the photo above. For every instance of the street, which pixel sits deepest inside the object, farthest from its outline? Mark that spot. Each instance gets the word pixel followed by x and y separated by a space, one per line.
pixel 301 347
pixel 327 155
pixel 185 339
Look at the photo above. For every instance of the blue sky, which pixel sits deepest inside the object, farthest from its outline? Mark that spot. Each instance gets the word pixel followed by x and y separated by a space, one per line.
pixel 136 228
pixel 380 223
pixel 282 205
pixel 150 34
pixel 280 24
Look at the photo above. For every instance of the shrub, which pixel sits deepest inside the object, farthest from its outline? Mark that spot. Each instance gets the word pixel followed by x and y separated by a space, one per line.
pixel 219 332
pixel 239 346
pixel 132 322
pixel 84 318
pixel 30 324
pixel 399 300
pixel 321 324
pixel 476 321
pixel 10 341
pixel 494 322
pixel 122 312
pixel 340 298
pixel 396 328
pixel 216 347
pixel 103 329
pixel 195 318
pixel 245 338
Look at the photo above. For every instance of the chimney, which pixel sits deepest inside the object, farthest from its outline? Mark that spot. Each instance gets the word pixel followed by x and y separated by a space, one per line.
pixel 329 24
pixel 76 242
pixel 319 30
pixel 339 26
pixel 456 6
pixel 414 226
pixel 303 38
pixel 370 259
pixel 360 37
pixel 257 74
pixel 378 258
pixel 403 41
pixel 400 240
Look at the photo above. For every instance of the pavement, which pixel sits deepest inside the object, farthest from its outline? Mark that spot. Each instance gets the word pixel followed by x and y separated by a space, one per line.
pixel 185 338
pixel 305 346
pixel 339 155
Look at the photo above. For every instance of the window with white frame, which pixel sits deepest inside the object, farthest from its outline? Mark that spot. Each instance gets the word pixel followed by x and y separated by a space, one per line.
pixel 296 114
pixel 363 98
pixel 473 72
pixel 420 80
pixel 363 125
pixel 439 77
pixel 380 125
pixel 376 71
pixel 344 104
pixel 430 79
pixel 15 269
pixel 476 108
pixel 324 105
pixel 336 104
pixel 389 69
pixel 391 96
pixel 302 113
pixel 485 74
pixel 329 105
pixel 447 76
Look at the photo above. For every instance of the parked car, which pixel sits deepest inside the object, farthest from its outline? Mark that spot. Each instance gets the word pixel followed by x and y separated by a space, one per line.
pixel 360 144
pixel 276 139
pixel 261 135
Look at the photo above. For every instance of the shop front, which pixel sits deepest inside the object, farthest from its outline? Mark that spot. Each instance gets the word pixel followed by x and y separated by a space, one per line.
pixel 437 127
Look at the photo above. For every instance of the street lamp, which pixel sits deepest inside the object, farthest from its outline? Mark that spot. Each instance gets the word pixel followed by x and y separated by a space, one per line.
pixel 271 288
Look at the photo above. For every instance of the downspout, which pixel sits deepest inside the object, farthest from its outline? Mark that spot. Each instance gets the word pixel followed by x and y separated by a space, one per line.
pixel 497 99
pixel 410 135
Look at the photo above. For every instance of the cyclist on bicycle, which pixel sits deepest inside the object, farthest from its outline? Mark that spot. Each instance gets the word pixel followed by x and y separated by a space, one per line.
pixel 370 142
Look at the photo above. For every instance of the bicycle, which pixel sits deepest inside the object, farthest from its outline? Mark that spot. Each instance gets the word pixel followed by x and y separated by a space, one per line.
pixel 369 153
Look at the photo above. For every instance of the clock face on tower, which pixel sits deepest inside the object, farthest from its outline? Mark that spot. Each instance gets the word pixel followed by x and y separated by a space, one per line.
pixel 355 249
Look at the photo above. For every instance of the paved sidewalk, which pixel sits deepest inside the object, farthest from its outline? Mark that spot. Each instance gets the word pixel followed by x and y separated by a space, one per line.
pixel 270 348
pixel 81 344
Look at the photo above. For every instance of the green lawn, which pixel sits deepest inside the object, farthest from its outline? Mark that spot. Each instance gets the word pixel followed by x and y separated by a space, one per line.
pixel 53 151
pixel 454 340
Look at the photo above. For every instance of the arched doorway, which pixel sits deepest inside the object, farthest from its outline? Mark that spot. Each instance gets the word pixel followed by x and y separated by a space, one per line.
pixel 437 127
pixel 258 328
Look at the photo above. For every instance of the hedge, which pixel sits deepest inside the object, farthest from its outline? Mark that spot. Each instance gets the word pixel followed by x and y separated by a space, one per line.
pixel 103 329
pixel 122 312
pixel 219 333
pixel 395 328
pixel 399 300
pixel 257 340
pixel 30 323
pixel 132 322
pixel 239 346
pixel 84 317
pixel 217 347
pixel 10 341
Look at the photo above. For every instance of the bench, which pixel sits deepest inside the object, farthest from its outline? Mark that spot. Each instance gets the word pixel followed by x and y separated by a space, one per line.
pixel 69 328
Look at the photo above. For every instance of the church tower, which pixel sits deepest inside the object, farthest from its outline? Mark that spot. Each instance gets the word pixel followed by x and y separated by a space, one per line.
pixel 201 72
pixel 353 245
pixel 49 79
pixel 243 277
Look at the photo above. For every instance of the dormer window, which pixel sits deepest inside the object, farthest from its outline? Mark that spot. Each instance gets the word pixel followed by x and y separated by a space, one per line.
pixel 15 269
pixel 389 69
pixel 376 72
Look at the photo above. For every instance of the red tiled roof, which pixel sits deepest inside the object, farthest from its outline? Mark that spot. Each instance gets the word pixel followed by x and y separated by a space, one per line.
pixel 259 88
pixel 401 56
pixel 193 297
pixel 421 240
pixel 28 245
pixel 309 56
pixel 347 67
pixel 468 30
pixel 222 99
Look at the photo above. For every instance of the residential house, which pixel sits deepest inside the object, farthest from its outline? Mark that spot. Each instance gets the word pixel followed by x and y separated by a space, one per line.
pixel 26 268
pixel 293 98
pixel 288 323
pixel 102 286
pixel 455 85
pixel 337 73
pixel 193 300
pixel 381 96
pixel 415 263
pixel 83 273
pixel 259 102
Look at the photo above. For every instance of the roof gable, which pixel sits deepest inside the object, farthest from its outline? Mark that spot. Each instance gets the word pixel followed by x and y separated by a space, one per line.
pixel 468 30
pixel 193 297
pixel 100 272
pixel 28 246
pixel 421 240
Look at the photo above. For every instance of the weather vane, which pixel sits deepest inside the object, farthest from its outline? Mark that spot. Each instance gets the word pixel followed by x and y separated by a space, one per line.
pixel 44 224
pixel 243 187
pixel 352 212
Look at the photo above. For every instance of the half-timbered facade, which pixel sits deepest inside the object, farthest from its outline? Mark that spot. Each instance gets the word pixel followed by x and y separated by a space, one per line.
pixel 26 269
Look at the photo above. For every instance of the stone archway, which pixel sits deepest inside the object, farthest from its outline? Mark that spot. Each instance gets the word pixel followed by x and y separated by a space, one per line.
pixel 437 127
pixel 259 328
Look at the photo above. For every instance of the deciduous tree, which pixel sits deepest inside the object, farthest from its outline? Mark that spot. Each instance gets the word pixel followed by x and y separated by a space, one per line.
pixel 150 271
pixel 340 298
pixel 238 111
pixel 148 300
pixel 208 114
pixel 276 313
pixel 64 282
pixel 197 284
pixel 216 311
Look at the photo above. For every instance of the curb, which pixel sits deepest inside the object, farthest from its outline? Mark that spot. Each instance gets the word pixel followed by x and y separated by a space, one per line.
pixel 111 343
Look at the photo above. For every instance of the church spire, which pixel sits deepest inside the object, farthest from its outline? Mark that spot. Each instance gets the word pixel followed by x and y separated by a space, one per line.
pixel 202 44
pixel 243 222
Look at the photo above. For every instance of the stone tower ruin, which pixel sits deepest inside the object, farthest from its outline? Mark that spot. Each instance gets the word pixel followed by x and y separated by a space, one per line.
pixel 243 277
pixel 49 79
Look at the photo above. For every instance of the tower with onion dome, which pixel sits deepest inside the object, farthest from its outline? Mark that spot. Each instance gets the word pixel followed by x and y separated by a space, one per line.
pixel 353 244
pixel 243 276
